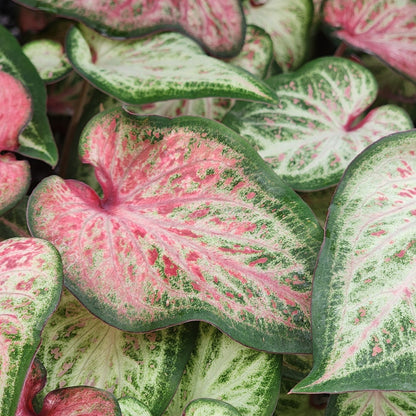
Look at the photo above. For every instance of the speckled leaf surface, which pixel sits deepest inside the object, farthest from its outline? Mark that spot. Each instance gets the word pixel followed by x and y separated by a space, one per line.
pixel 222 369
pixel 385 28
pixel 318 127
pixel 218 25
pixel 363 303
pixel 36 139
pixel 288 23
pixel 49 59
pixel 372 403
pixel 30 286
pixel 159 67
pixel 192 225
pixel 132 407
pixel 13 222
pixel 79 349
pixel 210 407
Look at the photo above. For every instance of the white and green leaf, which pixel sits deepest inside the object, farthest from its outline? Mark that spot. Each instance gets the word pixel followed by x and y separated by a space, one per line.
pixel 210 407
pixel 130 406
pixel 319 125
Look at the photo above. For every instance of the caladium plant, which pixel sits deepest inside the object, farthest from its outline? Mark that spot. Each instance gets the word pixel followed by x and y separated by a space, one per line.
pixel 222 163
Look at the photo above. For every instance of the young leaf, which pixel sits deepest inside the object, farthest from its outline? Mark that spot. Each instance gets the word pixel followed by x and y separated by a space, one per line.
pixel 36 139
pixel 193 225
pixel 363 296
pixel 159 67
pixel 288 23
pixel 210 407
pixel 218 25
pixel 385 28
pixel 221 369
pixel 30 282
pixel 79 349
pixel 315 131
pixel 132 407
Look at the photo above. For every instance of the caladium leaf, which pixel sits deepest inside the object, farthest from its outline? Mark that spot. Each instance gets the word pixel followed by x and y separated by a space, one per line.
pixel 30 282
pixel 210 407
pixel 49 59
pixel 372 403
pixel 315 131
pixel 79 349
pixel 159 67
pixel 132 407
pixel 36 139
pixel 192 225
pixel 218 25
pixel 13 222
pixel 288 23
pixel 221 369
pixel 363 305
pixel 385 28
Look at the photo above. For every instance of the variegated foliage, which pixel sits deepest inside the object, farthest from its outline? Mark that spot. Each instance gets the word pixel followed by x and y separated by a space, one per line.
pixel 30 287
pixel 159 67
pixel 192 225
pixel 132 407
pixel 386 28
pixel 221 369
pixel 210 407
pixel 319 125
pixel 36 139
pixel 364 286
pixel 218 25
pixel 80 349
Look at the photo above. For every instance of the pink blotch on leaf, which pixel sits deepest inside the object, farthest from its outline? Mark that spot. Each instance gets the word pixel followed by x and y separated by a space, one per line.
pixel 376 350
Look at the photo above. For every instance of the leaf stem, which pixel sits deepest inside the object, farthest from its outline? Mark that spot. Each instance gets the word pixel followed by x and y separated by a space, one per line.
pixel 341 49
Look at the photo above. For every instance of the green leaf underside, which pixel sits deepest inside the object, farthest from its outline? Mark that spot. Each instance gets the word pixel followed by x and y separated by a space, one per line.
pixel 36 139
pixel 363 298
pixel 193 225
pixel 209 407
pixel 13 222
pixel 147 366
pixel 288 23
pixel 30 281
pixel 222 369
pixel 311 136
pixel 372 403
pixel 385 28
pixel 49 59
pixel 218 25
pixel 132 407
pixel 156 68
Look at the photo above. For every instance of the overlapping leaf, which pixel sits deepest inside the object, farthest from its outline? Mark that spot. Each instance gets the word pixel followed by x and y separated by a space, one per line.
pixel 210 407
pixel 317 128
pixel 160 67
pixel 80 349
pixel 288 23
pixel 217 24
pixel 132 407
pixel 364 286
pixel 221 369
pixel 36 139
pixel 192 225
pixel 30 286
pixel 385 28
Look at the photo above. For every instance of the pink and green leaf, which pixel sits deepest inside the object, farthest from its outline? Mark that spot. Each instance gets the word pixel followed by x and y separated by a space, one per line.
pixel 363 304
pixel 385 28
pixel 30 282
pixel 130 406
pixel 193 225
pixel 210 407
pixel 49 59
pixel 218 25
pixel 146 366
pixel 288 24
pixel 159 67
pixel 36 140
pixel 319 125
pixel 222 369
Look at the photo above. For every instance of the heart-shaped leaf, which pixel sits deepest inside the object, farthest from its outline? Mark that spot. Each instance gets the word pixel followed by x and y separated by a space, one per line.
pixel 363 297
pixel 315 131
pixel 210 407
pixel 288 23
pixel 218 25
pixel 132 407
pixel 385 28
pixel 30 286
pixel 36 139
pixel 159 67
pixel 221 369
pixel 193 225
pixel 372 403
pixel 79 349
